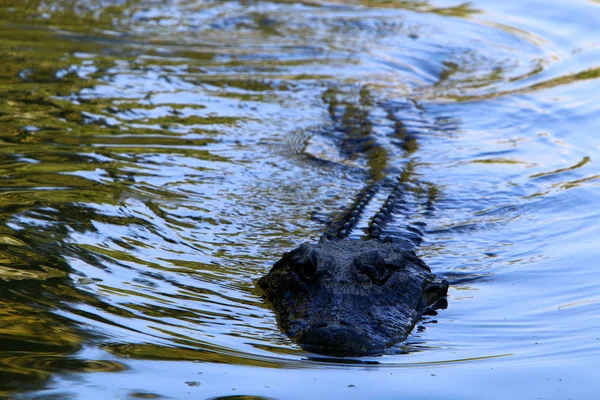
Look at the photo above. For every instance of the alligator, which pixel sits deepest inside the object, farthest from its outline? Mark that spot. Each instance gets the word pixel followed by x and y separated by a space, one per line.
pixel 343 297
pixel 347 296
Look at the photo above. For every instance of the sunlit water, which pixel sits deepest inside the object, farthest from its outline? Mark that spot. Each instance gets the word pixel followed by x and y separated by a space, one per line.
pixel 157 157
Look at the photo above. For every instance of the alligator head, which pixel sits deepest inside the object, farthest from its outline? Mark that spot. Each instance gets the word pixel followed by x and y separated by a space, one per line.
pixel 344 297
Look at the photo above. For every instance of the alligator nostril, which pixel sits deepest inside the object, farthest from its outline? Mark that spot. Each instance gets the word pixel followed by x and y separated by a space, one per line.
pixel 344 323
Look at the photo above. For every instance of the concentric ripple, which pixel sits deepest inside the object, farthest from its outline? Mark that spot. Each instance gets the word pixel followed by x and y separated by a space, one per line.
pixel 157 157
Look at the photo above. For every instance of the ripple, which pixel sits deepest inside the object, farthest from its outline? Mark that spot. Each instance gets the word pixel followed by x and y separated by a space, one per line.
pixel 157 158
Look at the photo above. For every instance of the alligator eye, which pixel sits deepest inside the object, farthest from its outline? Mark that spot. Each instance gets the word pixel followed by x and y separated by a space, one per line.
pixel 304 264
pixel 369 271
pixel 377 277
pixel 309 269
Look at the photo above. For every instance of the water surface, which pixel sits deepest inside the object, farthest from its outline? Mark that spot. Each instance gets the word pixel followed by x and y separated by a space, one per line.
pixel 157 157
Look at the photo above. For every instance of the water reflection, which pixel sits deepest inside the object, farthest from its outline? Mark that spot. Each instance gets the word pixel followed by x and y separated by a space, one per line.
pixel 156 158
pixel 36 340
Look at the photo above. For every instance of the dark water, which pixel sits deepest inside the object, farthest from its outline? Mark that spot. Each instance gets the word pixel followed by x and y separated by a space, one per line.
pixel 156 157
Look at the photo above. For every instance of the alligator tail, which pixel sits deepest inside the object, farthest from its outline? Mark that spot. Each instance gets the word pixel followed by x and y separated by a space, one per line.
pixel 342 226
pixel 401 218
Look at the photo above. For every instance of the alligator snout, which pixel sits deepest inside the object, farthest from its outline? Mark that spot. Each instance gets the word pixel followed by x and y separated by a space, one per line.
pixel 339 339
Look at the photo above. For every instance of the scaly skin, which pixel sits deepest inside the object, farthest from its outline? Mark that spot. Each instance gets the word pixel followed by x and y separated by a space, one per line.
pixel 345 297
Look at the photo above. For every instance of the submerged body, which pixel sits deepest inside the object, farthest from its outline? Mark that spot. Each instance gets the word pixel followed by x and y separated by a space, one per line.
pixel 345 297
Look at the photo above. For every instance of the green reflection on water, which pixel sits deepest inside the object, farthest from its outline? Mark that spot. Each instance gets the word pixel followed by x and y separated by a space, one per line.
pixel 588 74
pixel 461 10
pixel 102 237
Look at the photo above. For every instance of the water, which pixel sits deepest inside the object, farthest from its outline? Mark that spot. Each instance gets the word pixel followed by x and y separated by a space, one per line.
pixel 158 157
